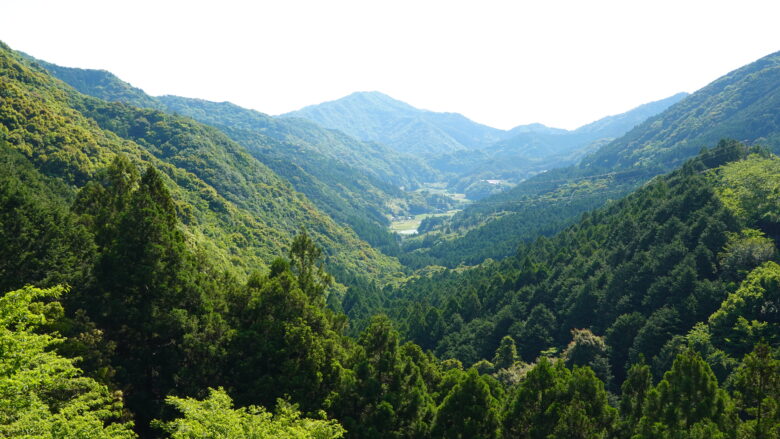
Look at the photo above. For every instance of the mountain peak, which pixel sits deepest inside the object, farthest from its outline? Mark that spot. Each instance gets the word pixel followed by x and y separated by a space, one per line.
pixel 375 116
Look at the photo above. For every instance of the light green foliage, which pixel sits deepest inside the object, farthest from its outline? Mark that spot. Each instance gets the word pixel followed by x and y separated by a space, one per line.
pixel 232 206
pixel 43 395
pixel 353 182
pixel 745 251
pixel 588 349
pixel 215 418
pixel 751 189
pixel 749 314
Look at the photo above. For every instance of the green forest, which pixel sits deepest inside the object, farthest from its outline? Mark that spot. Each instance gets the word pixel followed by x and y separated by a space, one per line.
pixel 177 268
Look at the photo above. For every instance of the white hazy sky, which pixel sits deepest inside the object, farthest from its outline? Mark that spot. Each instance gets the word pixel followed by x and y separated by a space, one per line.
pixel 501 63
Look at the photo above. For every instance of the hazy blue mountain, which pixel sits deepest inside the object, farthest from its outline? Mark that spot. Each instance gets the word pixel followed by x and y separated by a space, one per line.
pixel 531 149
pixel 566 147
pixel 378 117
pixel 534 128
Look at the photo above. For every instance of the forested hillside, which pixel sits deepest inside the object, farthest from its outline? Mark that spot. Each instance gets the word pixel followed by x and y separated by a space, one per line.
pixel 742 105
pixel 359 184
pixel 234 207
pixel 626 263
pixel 599 297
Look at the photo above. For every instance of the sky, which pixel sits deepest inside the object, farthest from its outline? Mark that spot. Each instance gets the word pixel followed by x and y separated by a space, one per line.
pixel 500 63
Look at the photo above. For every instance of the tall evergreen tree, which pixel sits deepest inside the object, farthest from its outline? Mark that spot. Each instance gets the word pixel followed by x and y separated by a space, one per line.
pixel 468 411
pixel 757 384
pixel 688 398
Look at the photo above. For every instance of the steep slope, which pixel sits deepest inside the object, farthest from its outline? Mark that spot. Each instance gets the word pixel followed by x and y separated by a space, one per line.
pixel 743 105
pixel 235 208
pixel 372 159
pixel 640 271
pixel 98 83
pixel 380 118
pixel 354 182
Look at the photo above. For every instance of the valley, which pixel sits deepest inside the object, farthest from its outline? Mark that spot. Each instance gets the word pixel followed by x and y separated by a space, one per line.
pixel 176 267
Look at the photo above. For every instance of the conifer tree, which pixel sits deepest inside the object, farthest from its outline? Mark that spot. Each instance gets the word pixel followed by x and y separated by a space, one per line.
pixel 757 383
pixel 468 411
pixel 506 354
pixel 687 399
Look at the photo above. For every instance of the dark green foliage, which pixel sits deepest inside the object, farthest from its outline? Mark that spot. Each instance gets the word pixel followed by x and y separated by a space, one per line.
pixel 554 401
pixel 639 271
pixel 284 342
pixel 686 400
pixel 386 395
pixel 42 243
pixel 633 396
pixel 468 411
pixel 157 306
pixel 757 384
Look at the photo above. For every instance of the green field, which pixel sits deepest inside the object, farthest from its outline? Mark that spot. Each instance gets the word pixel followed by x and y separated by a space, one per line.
pixel 409 226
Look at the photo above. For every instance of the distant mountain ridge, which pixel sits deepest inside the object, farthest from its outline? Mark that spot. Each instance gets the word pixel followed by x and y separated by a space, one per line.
pixel 466 152
pixel 378 117
pixel 530 149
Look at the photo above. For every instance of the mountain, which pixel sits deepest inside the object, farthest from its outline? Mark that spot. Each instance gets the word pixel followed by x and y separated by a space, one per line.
pixel 377 117
pixel 530 149
pixel 743 105
pixel 465 153
pixel 233 206
pixel 356 183
pixel 641 272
